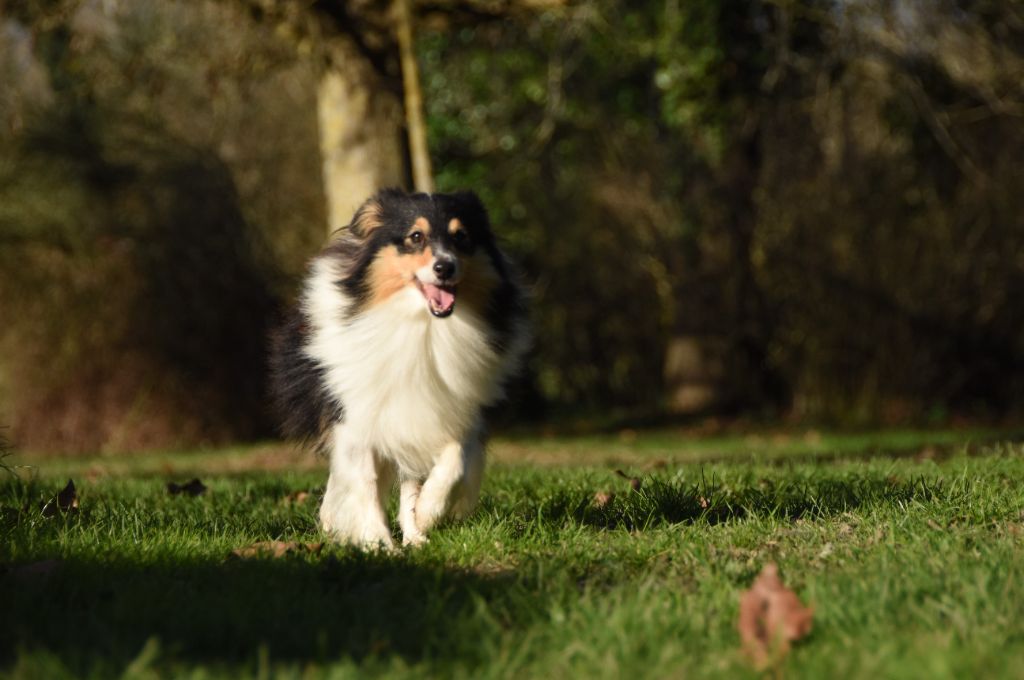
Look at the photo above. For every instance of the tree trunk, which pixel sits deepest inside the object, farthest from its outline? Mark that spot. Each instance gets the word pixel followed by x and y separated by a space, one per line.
pixel 422 173
pixel 361 133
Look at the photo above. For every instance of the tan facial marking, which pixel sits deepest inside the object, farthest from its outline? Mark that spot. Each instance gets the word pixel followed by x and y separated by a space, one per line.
pixel 391 272
pixel 418 261
pixel 454 225
pixel 421 224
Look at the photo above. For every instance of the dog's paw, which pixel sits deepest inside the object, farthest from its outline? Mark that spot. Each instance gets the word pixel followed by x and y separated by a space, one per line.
pixel 379 547
pixel 429 511
pixel 458 511
pixel 367 537
pixel 414 540
pixel 366 543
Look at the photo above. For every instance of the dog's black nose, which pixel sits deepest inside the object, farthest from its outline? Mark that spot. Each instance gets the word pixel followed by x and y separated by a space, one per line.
pixel 444 269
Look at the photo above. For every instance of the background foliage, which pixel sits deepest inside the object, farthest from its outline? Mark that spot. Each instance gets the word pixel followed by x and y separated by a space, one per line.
pixel 809 208
pixel 828 189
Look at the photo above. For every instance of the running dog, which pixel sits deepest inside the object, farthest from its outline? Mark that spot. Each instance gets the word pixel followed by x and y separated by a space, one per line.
pixel 410 323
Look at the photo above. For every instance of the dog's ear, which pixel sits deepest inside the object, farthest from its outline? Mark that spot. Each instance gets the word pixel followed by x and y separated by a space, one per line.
pixel 372 214
pixel 368 218
pixel 472 208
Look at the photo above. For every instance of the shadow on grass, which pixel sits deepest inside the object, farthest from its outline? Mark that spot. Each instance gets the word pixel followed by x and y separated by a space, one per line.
pixel 95 615
pixel 657 502
pixel 94 618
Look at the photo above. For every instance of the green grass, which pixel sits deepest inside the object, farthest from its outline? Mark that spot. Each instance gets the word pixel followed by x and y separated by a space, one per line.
pixel 909 546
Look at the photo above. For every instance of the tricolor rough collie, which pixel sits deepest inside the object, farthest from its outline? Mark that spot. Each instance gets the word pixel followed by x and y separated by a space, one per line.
pixel 409 324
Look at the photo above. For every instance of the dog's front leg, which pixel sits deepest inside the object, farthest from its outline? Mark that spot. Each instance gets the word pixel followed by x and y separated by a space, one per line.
pixel 435 496
pixel 467 493
pixel 353 508
pixel 409 494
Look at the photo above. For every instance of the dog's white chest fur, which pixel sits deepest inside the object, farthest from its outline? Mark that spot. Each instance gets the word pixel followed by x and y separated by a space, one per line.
pixel 409 383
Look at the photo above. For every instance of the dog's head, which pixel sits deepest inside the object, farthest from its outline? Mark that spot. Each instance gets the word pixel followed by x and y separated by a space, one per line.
pixel 440 245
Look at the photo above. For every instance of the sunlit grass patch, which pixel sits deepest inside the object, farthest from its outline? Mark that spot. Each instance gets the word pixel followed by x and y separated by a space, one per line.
pixel 912 564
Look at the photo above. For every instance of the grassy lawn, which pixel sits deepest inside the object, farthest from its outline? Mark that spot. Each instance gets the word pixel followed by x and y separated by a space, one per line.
pixel 909 545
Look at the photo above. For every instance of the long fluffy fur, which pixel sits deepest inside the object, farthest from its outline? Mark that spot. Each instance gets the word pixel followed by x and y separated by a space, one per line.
pixel 383 385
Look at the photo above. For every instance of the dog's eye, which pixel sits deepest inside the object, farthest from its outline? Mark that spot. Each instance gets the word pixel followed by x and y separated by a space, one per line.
pixel 416 238
pixel 461 238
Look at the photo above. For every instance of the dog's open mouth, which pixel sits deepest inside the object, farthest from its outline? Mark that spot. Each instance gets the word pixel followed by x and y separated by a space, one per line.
pixel 440 299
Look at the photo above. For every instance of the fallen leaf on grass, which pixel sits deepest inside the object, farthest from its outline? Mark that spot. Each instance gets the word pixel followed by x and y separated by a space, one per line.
pixel 65 501
pixel 634 482
pixel 94 473
pixel 192 488
pixel 490 569
pixel 771 618
pixel 603 498
pixel 296 498
pixel 276 549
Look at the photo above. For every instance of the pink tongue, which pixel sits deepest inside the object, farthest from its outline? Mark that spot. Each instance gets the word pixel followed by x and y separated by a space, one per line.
pixel 440 299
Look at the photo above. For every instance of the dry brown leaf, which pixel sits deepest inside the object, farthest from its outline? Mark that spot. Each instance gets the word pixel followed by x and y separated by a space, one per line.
pixel 296 498
pixel 634 482
pixel 603 498
pixel 65 501
pixel 192 488
pixel 771 618
pixel 94 473
pixel 276 549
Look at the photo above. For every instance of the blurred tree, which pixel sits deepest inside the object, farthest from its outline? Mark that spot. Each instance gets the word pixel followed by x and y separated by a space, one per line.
pixel 140 247
pixel 359 100
pixel 143 230
pixel 786 200
pixel 725 73
pixel 647 121
pixel 371 130
pixel 809 206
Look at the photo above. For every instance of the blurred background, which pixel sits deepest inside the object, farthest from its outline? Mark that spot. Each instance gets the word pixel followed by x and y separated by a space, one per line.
pixel 788 211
